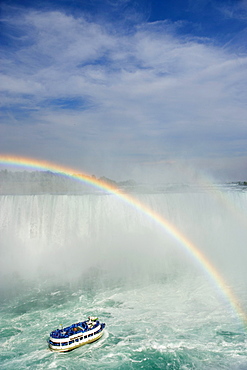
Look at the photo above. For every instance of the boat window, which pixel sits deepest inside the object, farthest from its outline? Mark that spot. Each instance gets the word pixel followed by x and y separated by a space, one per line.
pixel 65 344
pixel 54 343
pixel 71 341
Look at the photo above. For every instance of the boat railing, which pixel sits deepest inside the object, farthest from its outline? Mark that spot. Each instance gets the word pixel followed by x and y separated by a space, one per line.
pixel 80 327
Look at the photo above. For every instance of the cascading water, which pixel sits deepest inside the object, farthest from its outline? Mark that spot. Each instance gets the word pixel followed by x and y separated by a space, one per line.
pixel 64 257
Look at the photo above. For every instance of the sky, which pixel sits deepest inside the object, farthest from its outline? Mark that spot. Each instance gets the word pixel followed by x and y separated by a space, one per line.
pixel 142 89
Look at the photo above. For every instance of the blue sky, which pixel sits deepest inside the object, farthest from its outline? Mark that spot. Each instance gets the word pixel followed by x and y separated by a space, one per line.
pixel 141 89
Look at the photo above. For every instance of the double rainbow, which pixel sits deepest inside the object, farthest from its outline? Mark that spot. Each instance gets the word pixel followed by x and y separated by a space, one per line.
pixel 193 250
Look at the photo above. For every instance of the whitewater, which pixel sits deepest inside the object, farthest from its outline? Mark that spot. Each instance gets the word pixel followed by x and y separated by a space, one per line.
pixel 64 257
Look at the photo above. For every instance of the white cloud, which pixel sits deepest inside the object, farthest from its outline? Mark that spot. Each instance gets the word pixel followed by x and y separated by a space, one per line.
pixel 237 10
pixel 19 85
pixel 153 94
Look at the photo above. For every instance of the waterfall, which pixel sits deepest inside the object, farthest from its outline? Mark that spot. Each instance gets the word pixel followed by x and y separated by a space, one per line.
pixel 69 234
pixel 65 257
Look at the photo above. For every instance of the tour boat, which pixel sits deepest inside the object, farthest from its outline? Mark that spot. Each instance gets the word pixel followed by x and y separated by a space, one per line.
pixel 76 335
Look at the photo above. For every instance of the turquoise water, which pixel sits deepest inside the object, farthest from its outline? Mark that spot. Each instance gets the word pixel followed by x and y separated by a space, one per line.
pixel 64 258
pixel 163 325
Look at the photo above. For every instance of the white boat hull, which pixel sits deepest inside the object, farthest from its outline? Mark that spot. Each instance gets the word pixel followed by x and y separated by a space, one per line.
pixel 75 345
pixel 75 336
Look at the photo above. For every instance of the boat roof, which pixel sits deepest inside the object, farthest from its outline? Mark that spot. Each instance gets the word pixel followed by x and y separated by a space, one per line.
pixel 79 327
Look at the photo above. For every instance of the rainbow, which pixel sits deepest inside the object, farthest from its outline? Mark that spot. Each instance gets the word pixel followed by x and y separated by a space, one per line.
pixel 170 229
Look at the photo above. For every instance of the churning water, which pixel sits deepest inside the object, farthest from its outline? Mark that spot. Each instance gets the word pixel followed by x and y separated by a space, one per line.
pixel 65 257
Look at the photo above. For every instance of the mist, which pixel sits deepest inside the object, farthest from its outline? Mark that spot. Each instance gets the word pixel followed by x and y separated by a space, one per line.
pixel 64 256
pixel 76 238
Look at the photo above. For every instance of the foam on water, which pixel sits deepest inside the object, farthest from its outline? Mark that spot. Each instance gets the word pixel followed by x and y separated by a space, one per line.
pixel 156 326
pixel 66 257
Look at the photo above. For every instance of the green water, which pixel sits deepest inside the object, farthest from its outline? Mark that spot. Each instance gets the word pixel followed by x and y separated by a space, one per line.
pixel 66 257
pixel 173 324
